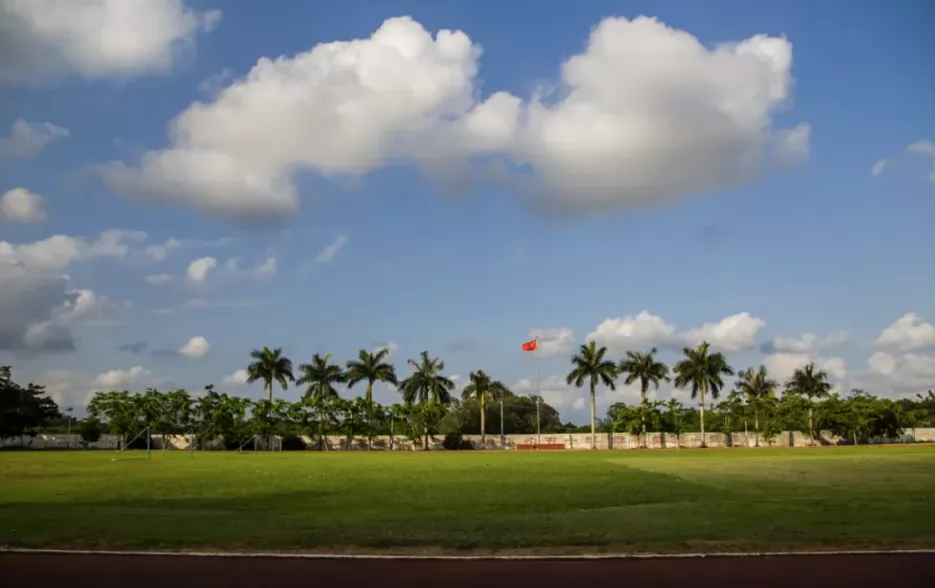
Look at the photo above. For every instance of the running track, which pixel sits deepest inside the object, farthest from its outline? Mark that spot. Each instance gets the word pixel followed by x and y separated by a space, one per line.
pixel 140 571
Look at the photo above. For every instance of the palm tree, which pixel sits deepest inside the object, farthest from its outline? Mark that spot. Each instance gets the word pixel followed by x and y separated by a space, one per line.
pixel 482 387
pixel 270 366
pixel 809 383
pixel 757 387
pixel 426 384
pixel 370 368
pixel 320 377
pixel 702 371
pixel 645 368
pixel 589 364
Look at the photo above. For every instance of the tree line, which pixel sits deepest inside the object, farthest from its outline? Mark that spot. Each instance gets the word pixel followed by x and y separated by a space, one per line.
pixel 428 407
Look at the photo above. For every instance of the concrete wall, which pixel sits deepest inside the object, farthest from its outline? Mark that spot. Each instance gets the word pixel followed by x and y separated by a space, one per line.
pixel 570 440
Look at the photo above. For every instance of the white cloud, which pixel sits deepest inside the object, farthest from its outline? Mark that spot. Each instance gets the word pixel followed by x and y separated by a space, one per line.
pixel 159 279
pixel 646 114
pixel 922 147
pixel 29 139
pixel 160 252
pixel 553 341
pixel 807 343
pixel 906 373
pixel 196 347
pixel 95 38
pixel 199 269
pixel 391 347
pixel 22 206
pixel 238 378
pixel 782 365
pixel 628 333
pixel 328 253
pixel 58 251
pixel 38 310
pixel 119 378
pixel 734 333
pixel 908 332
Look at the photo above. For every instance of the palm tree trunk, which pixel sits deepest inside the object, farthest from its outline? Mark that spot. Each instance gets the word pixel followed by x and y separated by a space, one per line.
pixel 746 434
pixel 756 423
pixel 703 443
pixel 483 428
pixel 643 411
pixel 811 426
pixel 321 430
pixel 593 434
pixel 369 414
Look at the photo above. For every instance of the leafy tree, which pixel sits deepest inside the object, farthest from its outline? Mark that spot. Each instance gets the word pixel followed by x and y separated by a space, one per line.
pixel 483 388
pixel 119 409
pixel 673 419
pixel 643 367
pixel 812 384
pixel 758 389
pixel 371 368
pixel 268 366
pixel 427 386
pixel 397 414
pixel 90 431
pixel 703 372
pixel 23 410
pixel 590 364
pixel 320 376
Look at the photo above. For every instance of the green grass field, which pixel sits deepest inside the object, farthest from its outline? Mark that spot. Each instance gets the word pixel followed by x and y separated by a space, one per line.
pixel 699 500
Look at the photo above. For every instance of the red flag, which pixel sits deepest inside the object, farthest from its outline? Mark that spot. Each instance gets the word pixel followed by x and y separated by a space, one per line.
pixel 531 345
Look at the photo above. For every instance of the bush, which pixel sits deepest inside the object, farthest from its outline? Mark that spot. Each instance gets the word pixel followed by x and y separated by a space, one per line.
pixel 454 441
pixel 90 430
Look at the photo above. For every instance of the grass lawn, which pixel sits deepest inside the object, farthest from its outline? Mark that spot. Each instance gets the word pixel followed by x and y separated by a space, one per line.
pixel 699 500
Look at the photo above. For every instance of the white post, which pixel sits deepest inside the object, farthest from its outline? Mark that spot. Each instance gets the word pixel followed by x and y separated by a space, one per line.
pixel 538 420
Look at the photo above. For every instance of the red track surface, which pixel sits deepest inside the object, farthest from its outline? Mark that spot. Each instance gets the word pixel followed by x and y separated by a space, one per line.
pixel 100 571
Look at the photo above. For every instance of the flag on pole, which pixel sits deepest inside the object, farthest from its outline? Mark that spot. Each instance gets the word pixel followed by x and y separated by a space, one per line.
pixel 531 345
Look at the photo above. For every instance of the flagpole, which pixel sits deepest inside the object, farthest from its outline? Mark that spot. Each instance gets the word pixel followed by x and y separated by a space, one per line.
pixel 538 419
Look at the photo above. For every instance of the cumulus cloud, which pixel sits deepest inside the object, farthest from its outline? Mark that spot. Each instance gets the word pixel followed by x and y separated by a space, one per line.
pixel 29 139
pixel 114 379
pixel 95 38
pixel 923 148
pixel 907 373
pixel 328 253
pixel 22 206
pixel 734 333
pixel 196 348
pixel 731 334
pixel 907 333
pixel 553 341
pixel 646 114
pixel 782 365
pixel 38 310
pixel 807 343
pixel 199 269
pixel 238 378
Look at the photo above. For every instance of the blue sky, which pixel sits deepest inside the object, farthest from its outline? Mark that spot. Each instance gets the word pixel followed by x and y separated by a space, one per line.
pixel 760 176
